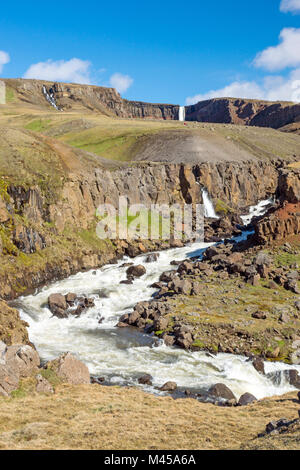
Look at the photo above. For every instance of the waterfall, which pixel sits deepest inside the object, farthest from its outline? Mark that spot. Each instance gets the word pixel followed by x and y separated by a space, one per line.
pixel 50 97
pixel 181 113
pixel 209 210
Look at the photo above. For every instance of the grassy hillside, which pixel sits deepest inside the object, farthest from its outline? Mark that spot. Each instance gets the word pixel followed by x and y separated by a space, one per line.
pixel 97 417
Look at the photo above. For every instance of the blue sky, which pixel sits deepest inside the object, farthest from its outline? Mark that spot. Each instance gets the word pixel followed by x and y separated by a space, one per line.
pixel 158 51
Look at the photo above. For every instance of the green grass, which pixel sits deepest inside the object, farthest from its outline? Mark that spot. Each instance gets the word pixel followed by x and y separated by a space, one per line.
pixel 38 125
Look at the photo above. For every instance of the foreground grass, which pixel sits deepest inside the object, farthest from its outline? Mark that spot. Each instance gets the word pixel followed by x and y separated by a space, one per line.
pixel 97 417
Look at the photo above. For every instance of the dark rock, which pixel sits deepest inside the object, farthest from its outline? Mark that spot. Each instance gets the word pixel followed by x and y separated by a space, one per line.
pixel 259 315
pixel 168 387
pixel 152 257
pixel 145 379
pixel 246 399
pixel 259 365
pixel 136 271
pixel 58 305
pixel 221 391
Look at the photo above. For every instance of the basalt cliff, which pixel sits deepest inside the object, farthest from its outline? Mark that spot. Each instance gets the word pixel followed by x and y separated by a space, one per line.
pixel 277 115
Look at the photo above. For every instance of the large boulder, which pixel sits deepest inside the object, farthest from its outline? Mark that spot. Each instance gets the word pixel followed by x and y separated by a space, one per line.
pixel 259 365
pixel 58 305
pixel 136 271
pixel 221 391
pixel 168 387
pixel 18 361
pixel 70 369
pixel 23 359
pixel 246 399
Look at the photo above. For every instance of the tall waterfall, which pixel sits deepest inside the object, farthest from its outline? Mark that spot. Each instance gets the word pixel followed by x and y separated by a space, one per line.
pixel 181 113
pixel 209 210
pixel 50 97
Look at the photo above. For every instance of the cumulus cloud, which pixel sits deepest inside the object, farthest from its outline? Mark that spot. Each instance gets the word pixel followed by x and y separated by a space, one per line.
pixel 272 88
pixel 73 70
pixel 290 5
pixel 120 82
pixel 4 59
pixel 286 54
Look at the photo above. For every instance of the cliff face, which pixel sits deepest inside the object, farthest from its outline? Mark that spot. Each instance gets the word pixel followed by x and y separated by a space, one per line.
pixel 244 112
pixel 69 96
pixel 284 223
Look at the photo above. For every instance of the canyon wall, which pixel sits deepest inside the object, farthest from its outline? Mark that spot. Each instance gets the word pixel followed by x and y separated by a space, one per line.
pixel 108 101
pixel 70 96
pixel 244 112
pixel 284 223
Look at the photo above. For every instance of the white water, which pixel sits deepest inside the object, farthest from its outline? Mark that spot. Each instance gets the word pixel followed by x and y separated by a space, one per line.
pixel 181 113
pixel 122 355
pixel 50 98
pixel 209 210
pixel 255 211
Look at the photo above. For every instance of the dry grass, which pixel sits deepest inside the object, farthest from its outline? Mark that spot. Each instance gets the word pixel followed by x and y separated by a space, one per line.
pixel 97 417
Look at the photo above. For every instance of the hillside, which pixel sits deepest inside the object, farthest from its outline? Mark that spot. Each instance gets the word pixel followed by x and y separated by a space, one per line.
pixel 65 97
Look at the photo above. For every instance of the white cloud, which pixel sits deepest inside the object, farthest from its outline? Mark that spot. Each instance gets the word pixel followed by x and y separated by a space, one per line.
pixel 120 82
pixel 272 88
pixel 4 59
pixel 286 54
pixel 73 70
pixel 290 5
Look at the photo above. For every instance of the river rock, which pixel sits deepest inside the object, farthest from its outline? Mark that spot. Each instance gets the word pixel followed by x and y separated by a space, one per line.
pixel 136 271
pixel 70 298
pixel 246 399
pixel 58 305
pixel 293 377
pixel 259 365
pixel 152 257
pixel 145 379
pixel 168 387
pixel 221 391
pixel 70 369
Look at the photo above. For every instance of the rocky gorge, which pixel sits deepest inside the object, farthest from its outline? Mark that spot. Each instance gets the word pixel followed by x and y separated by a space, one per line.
pixel 216 321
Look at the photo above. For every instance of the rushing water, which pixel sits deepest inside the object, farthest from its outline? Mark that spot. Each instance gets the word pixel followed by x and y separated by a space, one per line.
pixel 121 355
pixel 209 210
pixel 181 113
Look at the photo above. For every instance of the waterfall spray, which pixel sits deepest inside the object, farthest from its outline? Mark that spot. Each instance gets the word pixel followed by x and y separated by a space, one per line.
pixel 209 210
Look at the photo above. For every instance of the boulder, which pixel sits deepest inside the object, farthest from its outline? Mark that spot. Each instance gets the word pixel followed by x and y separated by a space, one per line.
pixel 70 369
pixel 293 377
pixel 145 379
pixel 168 387
pixel 70 298
pixel 23 359
pixel 152 257
pixel 136 271
pixel 259 365
pixel 182 286
pixel 221 391
pixel 259 315
pixel 9 380
pixel 58 305
pixel 246 399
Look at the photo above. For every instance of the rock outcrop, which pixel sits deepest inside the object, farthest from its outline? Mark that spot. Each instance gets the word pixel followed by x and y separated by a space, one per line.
pixel 70 369
pixel 244 112
pixel 283 223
